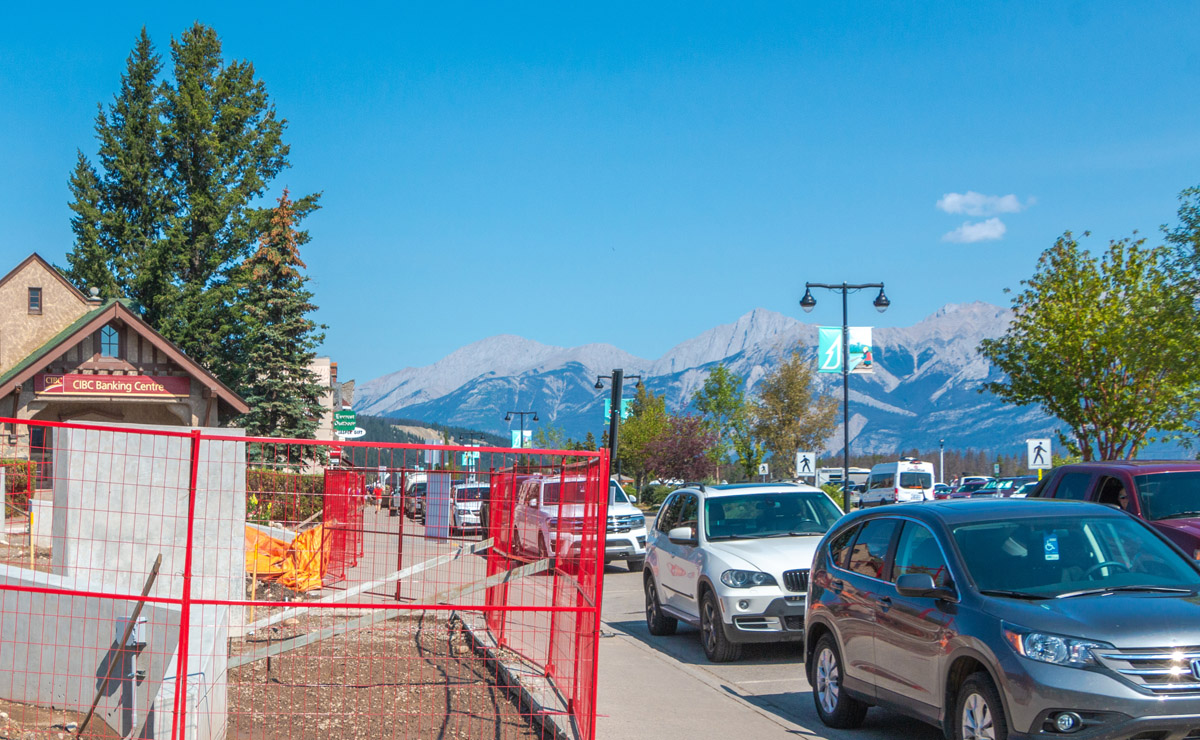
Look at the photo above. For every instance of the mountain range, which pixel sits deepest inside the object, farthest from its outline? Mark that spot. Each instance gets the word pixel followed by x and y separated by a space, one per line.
pixel 925 388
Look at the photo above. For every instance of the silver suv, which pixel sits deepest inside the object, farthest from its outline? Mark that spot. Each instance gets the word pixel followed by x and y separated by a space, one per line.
pixel 1003 619
pixel 733 561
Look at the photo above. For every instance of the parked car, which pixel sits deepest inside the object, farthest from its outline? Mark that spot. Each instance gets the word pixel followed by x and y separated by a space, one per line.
pixel 414 500
pixel 1165 493
pixel 468 500
pixel 1025 490
pixel 904 481
pixel 965 490
pixel 1003 487
pixel 941 491
pixel 1000 618
pixel 733 560
pixel 625 536
pixel 550 516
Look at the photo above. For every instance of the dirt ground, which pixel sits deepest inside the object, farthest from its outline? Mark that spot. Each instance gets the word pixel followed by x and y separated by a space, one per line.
pixel 24 722
pixel 408 677
pixel 16 553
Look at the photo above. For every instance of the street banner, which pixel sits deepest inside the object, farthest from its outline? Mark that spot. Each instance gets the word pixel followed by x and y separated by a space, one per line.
pixel 1038 452
pixel 516 438
pixel 829 349
pixel 626 408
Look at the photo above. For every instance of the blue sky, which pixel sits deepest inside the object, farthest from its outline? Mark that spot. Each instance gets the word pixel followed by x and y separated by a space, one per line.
pixel 638 173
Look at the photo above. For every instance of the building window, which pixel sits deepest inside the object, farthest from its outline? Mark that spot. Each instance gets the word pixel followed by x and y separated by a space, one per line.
pixel 110 342
pixel 35 300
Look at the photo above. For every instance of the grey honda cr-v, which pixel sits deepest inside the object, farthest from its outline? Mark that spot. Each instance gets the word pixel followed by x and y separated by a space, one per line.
pixel 1006 619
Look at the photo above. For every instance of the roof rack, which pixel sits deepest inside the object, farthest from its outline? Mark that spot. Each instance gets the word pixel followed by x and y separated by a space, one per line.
pixel 694 484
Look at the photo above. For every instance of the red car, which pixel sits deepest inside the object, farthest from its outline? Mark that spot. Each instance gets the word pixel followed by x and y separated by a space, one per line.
pixel 1166 493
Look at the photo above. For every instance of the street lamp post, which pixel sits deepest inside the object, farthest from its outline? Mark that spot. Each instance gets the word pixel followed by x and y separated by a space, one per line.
pixel 618 379
pixel 881 304
pixel 941 461
pixel 522 414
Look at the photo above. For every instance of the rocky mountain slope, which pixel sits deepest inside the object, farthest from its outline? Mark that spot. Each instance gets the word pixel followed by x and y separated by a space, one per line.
pixel 925 387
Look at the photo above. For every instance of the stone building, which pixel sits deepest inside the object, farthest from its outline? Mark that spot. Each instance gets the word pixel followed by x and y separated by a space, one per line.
pixel 65 356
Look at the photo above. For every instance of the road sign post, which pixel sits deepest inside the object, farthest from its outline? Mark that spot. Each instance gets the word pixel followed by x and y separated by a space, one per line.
pixel 764 470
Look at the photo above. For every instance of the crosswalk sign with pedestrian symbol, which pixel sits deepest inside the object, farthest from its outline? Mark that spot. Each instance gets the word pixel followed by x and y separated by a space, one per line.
pixel 1038 451
pixel 806 464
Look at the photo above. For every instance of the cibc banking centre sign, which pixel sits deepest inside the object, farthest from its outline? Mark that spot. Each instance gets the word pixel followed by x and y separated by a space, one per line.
pixel 145 386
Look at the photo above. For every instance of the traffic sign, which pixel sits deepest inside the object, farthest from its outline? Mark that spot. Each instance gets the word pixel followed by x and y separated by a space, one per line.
pixel 1038 453
pixel 344 421
pixel 806 464
pixel 764 469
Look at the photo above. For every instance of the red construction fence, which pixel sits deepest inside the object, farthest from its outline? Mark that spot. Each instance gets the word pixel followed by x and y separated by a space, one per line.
pixel 201 584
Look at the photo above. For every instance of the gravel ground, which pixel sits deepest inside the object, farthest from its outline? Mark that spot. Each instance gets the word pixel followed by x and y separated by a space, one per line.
pixel 25 722
pixel 408 677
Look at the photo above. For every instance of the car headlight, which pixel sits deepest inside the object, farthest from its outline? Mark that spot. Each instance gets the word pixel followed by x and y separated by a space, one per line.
pixel 747 578
pixel 1049 648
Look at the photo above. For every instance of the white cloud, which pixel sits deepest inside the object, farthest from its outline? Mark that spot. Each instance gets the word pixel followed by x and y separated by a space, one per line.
pixel 972 203
pixel 977 231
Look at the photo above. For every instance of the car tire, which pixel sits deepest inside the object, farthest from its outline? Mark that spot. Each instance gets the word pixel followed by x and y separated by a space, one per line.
pixel 635 564
pixel 835 707
pixel 717 647
pixel 978 711
pixel 657 623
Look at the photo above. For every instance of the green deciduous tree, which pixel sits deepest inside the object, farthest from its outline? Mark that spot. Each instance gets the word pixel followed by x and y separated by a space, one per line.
pixel 1103 343
pixel 722 402
pixel 788 415
pixel 647 420
pixel 283 395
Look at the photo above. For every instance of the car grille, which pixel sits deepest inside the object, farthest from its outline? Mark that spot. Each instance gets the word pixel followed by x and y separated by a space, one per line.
pixel 1162 671
pixel 625 522
pixel 795 580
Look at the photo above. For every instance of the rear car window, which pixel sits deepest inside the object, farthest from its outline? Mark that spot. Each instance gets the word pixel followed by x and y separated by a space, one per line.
pixel 916 480
pixel 1073 486
pixel 869 555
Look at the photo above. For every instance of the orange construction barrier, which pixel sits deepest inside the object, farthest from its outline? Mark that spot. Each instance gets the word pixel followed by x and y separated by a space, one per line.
pixel 299 565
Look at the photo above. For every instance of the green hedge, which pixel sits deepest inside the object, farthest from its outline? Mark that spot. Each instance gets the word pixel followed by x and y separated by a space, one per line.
pixel 16 481
pixel 272 495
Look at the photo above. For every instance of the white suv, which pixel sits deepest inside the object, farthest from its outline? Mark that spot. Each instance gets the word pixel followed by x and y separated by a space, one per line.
pixel 549 518
pixel 733 560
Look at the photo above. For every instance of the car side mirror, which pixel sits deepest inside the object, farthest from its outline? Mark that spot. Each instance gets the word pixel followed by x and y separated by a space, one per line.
pixel 533 502
pixel 921 585
pixel 682 536
pixel 632 499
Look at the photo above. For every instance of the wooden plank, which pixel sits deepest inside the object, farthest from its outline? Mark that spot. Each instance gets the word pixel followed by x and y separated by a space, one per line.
pixel 372 585
pixel 528 569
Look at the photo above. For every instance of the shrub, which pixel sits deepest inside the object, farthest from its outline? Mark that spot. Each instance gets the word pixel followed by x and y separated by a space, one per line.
pixel 272 495
pixel 17 481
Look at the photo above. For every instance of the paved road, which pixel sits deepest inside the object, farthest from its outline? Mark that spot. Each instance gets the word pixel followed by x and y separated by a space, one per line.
pixel 663 688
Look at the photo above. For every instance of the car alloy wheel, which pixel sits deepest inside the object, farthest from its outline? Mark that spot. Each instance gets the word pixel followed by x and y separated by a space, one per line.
pixel 827 680
pixel 708 626
pixel 977 723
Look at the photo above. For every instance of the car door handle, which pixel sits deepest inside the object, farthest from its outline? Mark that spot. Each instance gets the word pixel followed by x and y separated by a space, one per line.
pixel 885 602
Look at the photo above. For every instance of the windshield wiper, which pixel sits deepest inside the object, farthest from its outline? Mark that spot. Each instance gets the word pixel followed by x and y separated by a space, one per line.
pixel 1114 589
pixel 1013 594
pixel 779 534
pixel 1180 515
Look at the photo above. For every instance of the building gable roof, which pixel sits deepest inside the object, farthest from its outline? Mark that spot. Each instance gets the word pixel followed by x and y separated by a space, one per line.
pixel 35 257
pixel 74 333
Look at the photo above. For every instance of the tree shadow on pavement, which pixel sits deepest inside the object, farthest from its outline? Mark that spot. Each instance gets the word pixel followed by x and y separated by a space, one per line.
pixel 798 707
pixel 685 647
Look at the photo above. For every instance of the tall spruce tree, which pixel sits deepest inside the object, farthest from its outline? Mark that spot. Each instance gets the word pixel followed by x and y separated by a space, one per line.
pixel 172 211
pixel 283 395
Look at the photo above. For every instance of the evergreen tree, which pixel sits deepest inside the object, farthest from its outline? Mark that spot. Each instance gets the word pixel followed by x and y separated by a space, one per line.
pixel 170 214
pixel 282 393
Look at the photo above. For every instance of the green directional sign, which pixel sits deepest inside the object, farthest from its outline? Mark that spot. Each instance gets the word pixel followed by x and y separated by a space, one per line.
pixel 344 421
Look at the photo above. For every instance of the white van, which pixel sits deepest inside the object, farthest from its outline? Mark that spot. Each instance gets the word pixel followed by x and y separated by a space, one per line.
pixel 904 481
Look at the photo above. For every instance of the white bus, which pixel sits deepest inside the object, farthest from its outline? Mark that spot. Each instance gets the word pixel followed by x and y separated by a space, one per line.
pixel 904 481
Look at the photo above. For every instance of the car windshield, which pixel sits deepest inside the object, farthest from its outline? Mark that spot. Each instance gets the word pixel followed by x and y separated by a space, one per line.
pixel 1045 557
pixel 972 486
pixel 616 495
pixel 1169 495
pixel 575 492
pixel 749 516
pixel 474 493
pixel 916 480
